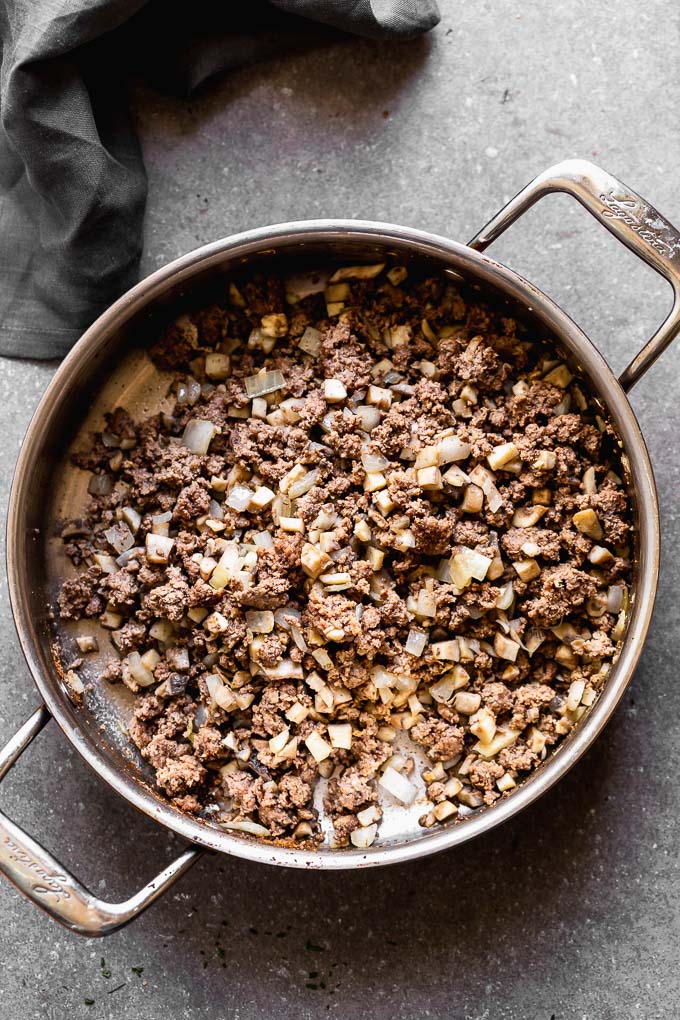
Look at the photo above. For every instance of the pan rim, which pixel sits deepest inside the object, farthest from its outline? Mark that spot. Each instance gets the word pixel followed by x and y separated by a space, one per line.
pixel 486 271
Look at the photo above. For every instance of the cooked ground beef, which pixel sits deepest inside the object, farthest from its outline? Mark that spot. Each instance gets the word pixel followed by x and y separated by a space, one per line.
pixel 412 531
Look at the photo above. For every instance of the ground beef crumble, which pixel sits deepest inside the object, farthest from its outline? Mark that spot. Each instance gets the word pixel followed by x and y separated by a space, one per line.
pixel 409 542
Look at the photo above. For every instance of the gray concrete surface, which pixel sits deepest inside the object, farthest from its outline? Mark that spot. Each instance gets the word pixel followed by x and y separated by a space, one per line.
pixel 573 909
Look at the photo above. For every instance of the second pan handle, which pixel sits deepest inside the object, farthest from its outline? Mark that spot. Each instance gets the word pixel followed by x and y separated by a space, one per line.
pixel 627 216
pixel 40 877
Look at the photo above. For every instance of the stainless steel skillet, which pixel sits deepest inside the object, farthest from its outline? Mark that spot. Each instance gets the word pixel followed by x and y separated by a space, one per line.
pixel 106 366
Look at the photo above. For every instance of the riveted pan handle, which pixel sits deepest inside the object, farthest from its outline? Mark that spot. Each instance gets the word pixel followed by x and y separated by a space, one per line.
pixel 625 215
pixel 41 878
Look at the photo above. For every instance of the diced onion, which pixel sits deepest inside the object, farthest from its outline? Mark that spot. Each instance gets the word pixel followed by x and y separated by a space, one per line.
pixel 404 540
pixel 216 623
pixel 277 743
pixel 446 651
pixel 575 694
pixel 295 524
pixel 451 448
pixel 340 735
pixel 373 463
pixel 197 435
pixel 328 420
pixel 483 725
pixel 614 598
pixel 363 837
pixel 132 518
pixel 467 564
pixel 193 391
pixel 247 826
pixel 239 498
pixel 286 669
pixel 319 748
pixel 161 630
pixel 125 557
pixel 506 597
pixel 334 391
pixel 310 341
pixel 455 476
pixel 397 785
pixel 260 621
pixel 381 678
pixel 533 640
pixel 505 648
pixel 106 564
pixel 264 382
pixel 87 643
pixel 620 626
pixel 158 548
pixel 160 523
pixel 299 640
pixel 427 604
pixel 502 455
pixel 220 693
pixel 369 815
pixel 445 688
pixel 444 571
pixel 416 642
pixel 323 658
pixel 599 554
pixel 227 566
pixel 502 738
pixel 263 539
pixel 139 672
pixel 481 477
pixel 302 285
pixel 110 620
pixel 151 659
pixel 217 366
pixel 178 658
pixel 100 485
pixel 286 616
pixel 368 416
pixel 357 272
pixel 304 484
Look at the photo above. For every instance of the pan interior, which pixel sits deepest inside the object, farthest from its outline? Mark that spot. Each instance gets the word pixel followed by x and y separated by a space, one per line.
pixel 118 372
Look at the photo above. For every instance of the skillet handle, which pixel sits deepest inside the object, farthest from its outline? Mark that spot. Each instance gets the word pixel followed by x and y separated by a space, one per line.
pixel 627 216
pixel 41 878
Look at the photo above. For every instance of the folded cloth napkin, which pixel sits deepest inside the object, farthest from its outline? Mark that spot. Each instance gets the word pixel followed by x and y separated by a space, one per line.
pixel 72 181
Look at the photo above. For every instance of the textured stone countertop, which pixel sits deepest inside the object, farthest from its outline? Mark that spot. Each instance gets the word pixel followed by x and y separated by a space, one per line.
pixel 572 910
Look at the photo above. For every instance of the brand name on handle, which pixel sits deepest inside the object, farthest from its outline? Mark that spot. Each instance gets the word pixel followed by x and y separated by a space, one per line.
pixel 52 884
pixel 625 210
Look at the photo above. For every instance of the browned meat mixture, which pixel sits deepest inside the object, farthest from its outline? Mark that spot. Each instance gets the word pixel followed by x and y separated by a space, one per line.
pixel 379 510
